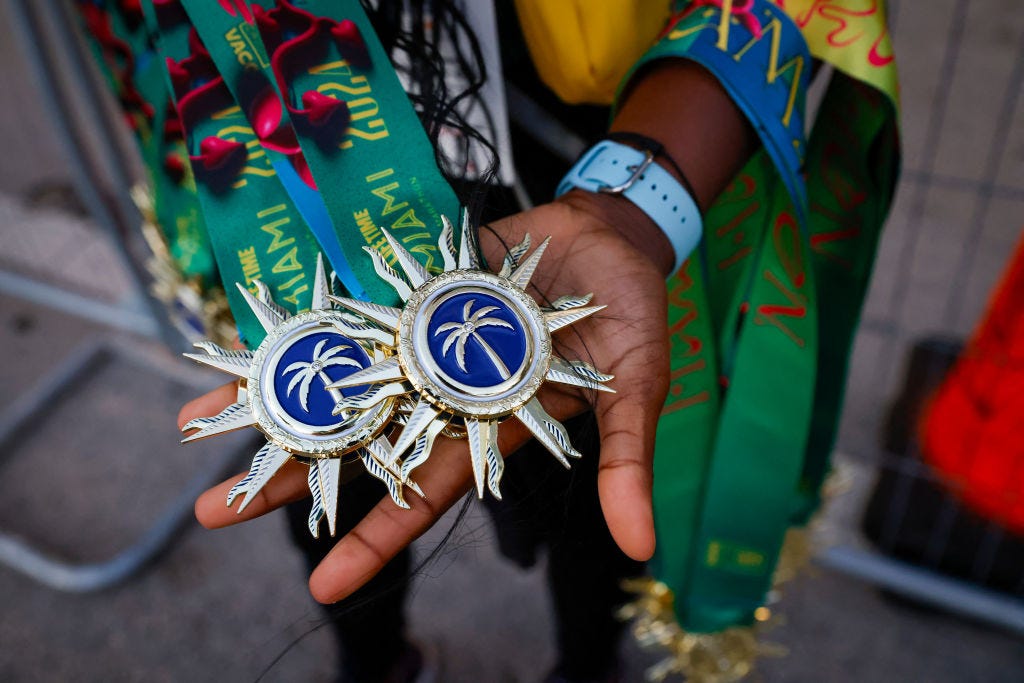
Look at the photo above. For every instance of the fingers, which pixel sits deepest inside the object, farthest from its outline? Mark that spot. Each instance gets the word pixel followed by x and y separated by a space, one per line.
pixel 286 486
pixel 364 551
pixel 208 404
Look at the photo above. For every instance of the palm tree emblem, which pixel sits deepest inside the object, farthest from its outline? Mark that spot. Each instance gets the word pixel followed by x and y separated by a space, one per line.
pixel 314 369
pixel 461 332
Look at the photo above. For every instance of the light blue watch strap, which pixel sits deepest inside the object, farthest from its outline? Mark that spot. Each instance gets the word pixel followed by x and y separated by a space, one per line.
pixel 613 168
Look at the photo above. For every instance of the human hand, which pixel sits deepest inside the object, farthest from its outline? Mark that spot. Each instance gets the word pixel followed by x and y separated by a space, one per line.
pixel 590 251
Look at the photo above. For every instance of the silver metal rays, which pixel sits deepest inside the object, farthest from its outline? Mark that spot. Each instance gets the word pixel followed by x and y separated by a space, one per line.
pixel 468 349
pixel 472 348
pixel 285 393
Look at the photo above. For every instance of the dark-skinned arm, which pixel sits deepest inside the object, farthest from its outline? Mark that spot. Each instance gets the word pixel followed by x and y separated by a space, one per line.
pixel 601 244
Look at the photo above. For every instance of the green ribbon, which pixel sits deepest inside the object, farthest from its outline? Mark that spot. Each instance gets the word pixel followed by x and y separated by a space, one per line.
pixel 382 172
pixel 256 231
pixel 853 161
pixel 758 365
pixel 174 199
pixel 379 171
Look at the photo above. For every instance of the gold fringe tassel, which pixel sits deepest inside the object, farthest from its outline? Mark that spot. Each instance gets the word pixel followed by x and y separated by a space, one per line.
pixel 730 655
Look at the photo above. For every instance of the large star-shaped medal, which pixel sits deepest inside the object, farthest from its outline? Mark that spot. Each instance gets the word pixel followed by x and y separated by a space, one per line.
pixel 288 394
pixel 473 348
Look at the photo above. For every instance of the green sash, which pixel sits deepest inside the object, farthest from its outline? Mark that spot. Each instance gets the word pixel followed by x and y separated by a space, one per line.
pixel 361 141
pixel 757 364
pixel 256 231
pixel 134 73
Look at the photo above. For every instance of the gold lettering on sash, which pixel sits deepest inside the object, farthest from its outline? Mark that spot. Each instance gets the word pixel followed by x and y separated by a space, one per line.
pixel 686 347
pixel 428 251
pixel 277 208
pixel 678 33
pixel 728 555
pixel 293 298
pixel 387 193
pixel 272 229
pixel 230 112
pixel 360 86
pixel 384 248
pixel 723 25
pixel 380 175
pixel 390 192
pixel 339 67
pixel 288 262
pixel 241 40
pixel 241 50
pixel 774 28
pixel 363 108
pixel 384 192
pixel 366 134
pixel 367 227
pixel 254 150
pixel 409 220
pixel 250 265
pixel 356 93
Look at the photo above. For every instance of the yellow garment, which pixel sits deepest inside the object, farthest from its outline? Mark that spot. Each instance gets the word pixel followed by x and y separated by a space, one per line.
pixel 583 49
pixel 852 35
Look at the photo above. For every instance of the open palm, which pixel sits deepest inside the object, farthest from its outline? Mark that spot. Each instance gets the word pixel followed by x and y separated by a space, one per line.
pixel 627 339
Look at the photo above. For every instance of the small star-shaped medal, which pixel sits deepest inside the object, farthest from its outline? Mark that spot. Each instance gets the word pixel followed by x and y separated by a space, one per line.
pixel 289 395
pixel 472 348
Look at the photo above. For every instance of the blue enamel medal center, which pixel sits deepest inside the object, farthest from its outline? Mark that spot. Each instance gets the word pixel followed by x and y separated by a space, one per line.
pixel 305 364
pixel 478 341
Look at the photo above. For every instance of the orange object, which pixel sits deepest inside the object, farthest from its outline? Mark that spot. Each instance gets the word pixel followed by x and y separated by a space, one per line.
pixel 973 431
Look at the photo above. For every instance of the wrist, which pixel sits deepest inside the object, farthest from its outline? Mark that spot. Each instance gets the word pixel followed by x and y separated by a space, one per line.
pixel 631 174
pixel 617 214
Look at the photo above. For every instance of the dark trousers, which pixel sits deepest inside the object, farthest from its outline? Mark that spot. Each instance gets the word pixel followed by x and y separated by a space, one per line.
pixel 544 507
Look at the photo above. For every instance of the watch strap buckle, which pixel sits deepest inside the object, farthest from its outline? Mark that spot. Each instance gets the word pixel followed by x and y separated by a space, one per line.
pixel 638 170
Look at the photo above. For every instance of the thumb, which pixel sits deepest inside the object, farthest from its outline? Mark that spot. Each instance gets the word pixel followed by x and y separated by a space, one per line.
pixel 628 422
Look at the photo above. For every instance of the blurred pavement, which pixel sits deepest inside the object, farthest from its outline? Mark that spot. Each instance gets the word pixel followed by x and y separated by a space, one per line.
pixel 222 606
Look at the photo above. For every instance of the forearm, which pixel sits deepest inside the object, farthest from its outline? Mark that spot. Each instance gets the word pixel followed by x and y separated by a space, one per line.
pixel 682 106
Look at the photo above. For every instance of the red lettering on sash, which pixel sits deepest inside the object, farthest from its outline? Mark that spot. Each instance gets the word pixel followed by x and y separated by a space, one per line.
pixel 846 193
pixel 677 401
pixel 677 332
pixel 739 236
pixel 684 346
pixel 786 240
pixel 849 229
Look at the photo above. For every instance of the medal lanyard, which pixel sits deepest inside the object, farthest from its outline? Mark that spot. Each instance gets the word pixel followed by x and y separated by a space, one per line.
pixel 466 349
pixel 340 131
pixel 323 144
pixel 255 229
pixel 756 376
pixel 133 70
